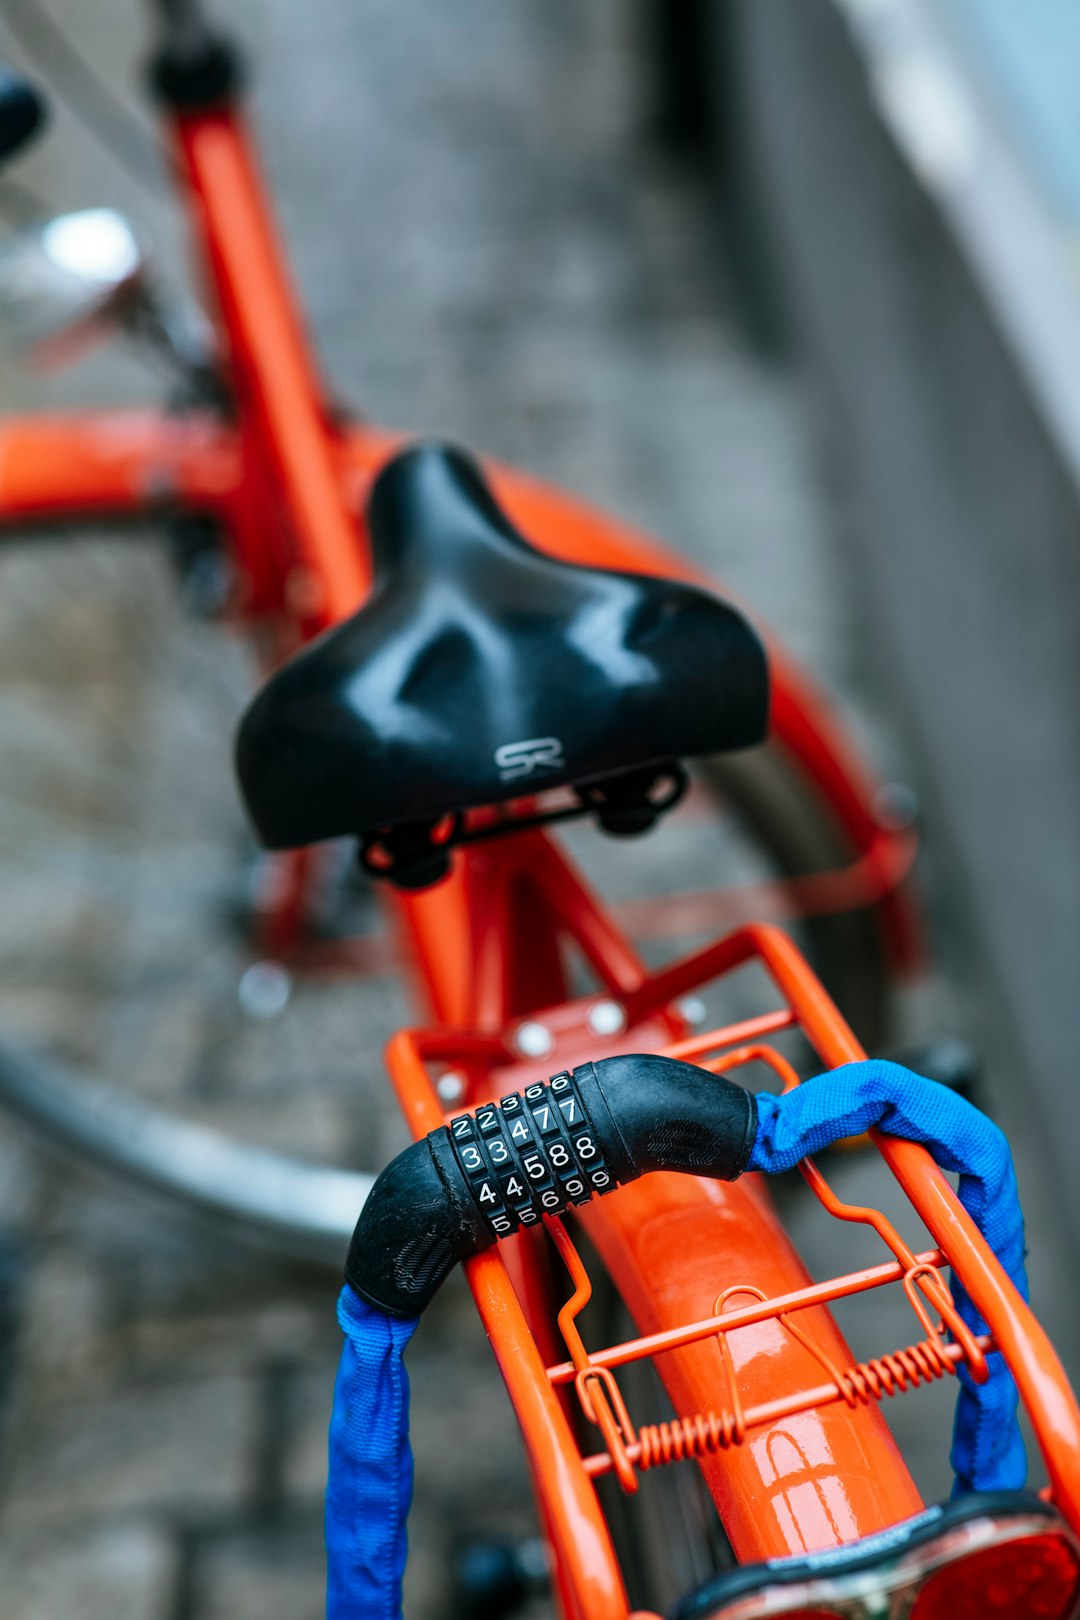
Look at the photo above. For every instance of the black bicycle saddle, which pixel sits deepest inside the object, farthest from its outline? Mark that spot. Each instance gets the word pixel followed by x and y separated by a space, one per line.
pixel 480 669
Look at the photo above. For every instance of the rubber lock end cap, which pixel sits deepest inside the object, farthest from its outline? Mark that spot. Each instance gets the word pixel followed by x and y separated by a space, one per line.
pixel 414 1228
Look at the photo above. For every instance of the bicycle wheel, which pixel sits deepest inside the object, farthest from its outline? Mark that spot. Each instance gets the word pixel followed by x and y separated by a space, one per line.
pixel 128 872
pixel 130 881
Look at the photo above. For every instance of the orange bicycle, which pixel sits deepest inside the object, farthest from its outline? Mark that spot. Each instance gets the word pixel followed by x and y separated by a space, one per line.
pixel 504 661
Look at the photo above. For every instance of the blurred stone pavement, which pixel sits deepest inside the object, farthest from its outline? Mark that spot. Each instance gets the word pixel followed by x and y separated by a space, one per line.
pixel 489 247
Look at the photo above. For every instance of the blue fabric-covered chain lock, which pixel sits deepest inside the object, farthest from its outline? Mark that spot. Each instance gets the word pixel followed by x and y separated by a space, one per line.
pixel 590 1131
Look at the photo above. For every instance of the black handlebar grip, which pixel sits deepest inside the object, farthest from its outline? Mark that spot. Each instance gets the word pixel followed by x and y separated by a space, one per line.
pixel 560 1142
pixel 21 111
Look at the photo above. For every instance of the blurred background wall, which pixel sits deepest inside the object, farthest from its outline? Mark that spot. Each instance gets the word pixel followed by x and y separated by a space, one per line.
pixel 898 185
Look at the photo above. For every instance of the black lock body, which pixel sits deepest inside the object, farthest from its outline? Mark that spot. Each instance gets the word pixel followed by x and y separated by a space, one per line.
pixel 556 1144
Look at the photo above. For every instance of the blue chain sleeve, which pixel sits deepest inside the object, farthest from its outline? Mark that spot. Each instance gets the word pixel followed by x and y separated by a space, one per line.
pixel 370 1482
pixel 987 1450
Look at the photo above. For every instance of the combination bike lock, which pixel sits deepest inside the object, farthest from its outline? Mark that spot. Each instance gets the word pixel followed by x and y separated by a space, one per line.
pixel 560 1142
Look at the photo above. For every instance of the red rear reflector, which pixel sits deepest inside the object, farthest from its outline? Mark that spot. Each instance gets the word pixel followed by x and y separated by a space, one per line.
pixel 1029 1578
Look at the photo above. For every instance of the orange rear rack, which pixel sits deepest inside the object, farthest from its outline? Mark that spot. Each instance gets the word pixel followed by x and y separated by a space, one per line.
pixel 814 1376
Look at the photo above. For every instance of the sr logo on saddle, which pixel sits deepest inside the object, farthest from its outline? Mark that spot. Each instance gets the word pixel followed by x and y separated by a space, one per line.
pixel 523 758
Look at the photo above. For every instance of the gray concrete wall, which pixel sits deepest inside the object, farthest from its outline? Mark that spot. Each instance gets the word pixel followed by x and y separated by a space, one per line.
pixel 968 543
